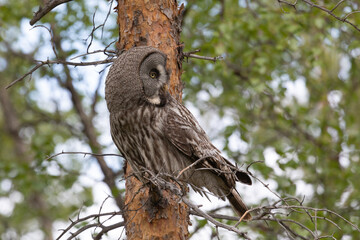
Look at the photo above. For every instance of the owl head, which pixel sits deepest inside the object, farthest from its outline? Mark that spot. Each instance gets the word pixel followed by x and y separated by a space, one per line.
pixel 137 75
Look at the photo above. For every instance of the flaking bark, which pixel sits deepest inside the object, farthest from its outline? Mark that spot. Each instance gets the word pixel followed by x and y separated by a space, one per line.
pixel 157 24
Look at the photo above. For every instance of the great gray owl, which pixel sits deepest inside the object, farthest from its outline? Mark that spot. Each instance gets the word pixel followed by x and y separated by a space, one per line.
pixel 152 130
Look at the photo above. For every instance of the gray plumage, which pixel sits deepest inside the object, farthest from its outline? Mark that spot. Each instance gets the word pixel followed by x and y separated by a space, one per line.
pixel 154 131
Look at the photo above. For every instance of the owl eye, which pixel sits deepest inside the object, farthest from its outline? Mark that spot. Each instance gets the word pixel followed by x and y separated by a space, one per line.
pixel 154 73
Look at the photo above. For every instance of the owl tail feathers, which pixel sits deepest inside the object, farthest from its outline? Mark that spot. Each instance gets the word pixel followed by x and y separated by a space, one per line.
pixel 238 205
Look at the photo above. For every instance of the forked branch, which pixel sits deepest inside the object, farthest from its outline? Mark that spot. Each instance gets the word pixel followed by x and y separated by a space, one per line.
pixel 324 9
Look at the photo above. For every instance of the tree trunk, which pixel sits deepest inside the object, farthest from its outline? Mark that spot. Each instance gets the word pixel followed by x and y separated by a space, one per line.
pixel 157 24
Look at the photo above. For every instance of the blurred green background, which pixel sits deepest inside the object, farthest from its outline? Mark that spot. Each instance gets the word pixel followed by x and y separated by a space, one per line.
pixel 286 93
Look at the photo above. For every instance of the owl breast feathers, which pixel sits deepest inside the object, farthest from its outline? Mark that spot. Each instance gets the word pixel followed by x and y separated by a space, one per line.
pixel 154 131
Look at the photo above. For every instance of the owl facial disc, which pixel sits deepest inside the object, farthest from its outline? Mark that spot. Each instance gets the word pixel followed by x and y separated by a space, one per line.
pixel 161 81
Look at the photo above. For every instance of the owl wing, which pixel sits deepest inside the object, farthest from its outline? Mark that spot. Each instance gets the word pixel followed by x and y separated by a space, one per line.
pixel 186 134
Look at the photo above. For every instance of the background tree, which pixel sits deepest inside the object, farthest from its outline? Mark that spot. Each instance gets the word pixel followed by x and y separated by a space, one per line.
pixel 286 91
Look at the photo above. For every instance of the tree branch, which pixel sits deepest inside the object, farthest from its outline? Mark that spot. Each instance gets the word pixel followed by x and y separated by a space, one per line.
pixel 203 214
pixel 192 55
pixel 330 12
pixel 87 226
pixel 49 5
pixel 274 213
pixel 48 62
pixel 83 153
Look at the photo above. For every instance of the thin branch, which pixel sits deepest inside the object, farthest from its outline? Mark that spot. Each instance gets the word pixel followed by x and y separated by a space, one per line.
pixel 106 18
pixel 48 62
pixel 288 3
pixel 291 207
pixel 191 165
pixel 264 184
pixel 350 13
pixel 212 220
pixel 51 37
pixel 288 232
pixel 49 5
pixel 281 222
pixel 83 153
pixel 214 59
pixel 94 52
pixel 338 4
pixel 27 74
pixel 106 229
pixel 192 55
pixel 80 220
pixel 91 36
pixel 102 26
pixel 268 210
pixel 330 12
pixel 275 212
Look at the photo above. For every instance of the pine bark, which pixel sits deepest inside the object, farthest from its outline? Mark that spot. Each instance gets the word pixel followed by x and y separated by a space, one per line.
pixel 157 24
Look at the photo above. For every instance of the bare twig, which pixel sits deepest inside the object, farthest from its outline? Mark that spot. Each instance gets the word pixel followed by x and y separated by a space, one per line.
pixel 330 12
pixel 106 229
pixel 348 15
pixel 107 16
pixel 272 211
pixel 49 5
pixel 51 36
pixel 84 219
pixel 338 4
pixel 82 153
pixel 107 52
pixel 192 165
pixel 264 184
pixel 214 59
pixel 91 35
pixel 27 74
pixel 212 220
pixel 275 213
pixel 288 3
pixel 48 62
pixel 192 55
